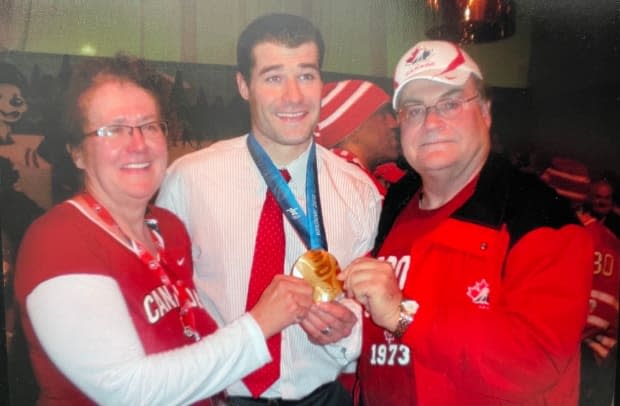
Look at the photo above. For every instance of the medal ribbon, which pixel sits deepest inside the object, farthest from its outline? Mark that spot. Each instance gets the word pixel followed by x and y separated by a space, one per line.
pixel 309 225
pixel 158 265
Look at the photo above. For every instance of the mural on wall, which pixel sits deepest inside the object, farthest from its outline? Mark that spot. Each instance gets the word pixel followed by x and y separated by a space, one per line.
pixel 18 143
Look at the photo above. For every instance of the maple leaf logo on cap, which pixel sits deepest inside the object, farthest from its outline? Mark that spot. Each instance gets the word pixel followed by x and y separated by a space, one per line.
pixel 418 54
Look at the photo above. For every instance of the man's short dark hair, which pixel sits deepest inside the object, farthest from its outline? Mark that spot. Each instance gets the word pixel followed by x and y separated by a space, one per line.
pixel 286 29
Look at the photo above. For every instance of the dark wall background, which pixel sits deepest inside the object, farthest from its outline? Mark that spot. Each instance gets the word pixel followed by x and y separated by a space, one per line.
pixel 574 79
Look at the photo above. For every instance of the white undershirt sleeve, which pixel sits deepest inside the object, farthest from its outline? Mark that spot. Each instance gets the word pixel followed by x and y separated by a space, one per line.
pixel 83 324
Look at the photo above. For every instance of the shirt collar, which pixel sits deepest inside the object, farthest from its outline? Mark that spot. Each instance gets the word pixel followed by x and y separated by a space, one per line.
pixel 297 169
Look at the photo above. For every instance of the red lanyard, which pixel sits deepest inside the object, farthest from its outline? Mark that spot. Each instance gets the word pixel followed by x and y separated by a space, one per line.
pixel 158 265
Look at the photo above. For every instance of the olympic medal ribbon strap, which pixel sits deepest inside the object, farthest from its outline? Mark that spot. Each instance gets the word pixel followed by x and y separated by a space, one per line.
pixel 309 225
pixel 158 265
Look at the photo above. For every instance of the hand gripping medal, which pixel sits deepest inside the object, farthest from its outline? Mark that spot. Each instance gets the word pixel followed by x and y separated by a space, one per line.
pixel 319 268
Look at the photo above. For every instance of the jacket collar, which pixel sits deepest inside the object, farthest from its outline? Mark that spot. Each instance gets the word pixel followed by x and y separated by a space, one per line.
pixel 486 207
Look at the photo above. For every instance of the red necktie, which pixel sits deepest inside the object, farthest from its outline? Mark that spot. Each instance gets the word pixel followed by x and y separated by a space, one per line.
pixel 268 261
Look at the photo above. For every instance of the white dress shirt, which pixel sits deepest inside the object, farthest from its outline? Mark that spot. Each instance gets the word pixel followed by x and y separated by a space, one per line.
pixel 218 192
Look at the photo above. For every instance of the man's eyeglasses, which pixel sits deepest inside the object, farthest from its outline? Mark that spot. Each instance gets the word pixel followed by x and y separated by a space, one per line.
pixel 151 129
pixel 414 114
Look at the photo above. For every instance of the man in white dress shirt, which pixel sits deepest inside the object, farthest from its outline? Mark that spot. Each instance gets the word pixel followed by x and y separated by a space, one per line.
pixel 219 192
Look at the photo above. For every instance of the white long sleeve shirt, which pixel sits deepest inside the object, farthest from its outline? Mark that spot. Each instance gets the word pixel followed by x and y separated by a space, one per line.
pixel 95 317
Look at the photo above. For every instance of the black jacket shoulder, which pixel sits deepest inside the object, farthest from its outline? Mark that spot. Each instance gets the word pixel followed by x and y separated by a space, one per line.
pixel 503 195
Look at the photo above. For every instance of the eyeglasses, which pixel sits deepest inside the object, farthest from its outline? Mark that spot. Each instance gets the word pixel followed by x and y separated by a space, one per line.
pixel 151 129
pixel 414 114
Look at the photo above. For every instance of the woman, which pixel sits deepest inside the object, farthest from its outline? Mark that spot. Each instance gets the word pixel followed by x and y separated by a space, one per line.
pixel 104 280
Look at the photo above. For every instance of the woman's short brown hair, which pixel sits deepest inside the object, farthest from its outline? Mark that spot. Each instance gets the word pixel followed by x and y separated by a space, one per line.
pixel 90 72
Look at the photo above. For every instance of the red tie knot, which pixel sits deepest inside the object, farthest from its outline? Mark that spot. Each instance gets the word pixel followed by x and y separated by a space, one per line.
pixel 285 175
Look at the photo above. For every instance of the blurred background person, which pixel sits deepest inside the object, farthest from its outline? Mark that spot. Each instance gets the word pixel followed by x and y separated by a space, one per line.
pixel 104 280
pixel 601 205
pixel 570 179
pixel 358 124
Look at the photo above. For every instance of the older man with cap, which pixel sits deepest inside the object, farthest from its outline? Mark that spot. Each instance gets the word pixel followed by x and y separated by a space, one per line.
pixel 357 123
pixel 479 291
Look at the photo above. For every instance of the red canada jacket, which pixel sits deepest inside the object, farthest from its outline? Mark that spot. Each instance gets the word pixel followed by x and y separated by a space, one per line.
pixel 503 287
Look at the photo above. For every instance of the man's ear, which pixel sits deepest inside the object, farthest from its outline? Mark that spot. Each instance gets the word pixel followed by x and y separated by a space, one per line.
pixel 242 86
pixel 486 112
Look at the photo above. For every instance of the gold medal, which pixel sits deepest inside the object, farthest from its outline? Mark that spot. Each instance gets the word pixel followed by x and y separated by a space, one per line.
pixel 320 268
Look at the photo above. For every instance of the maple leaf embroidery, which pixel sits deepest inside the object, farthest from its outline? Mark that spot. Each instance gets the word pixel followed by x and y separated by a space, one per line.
pixel 479 293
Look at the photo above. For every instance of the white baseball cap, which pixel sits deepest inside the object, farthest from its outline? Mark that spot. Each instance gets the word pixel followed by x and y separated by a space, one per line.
pixel 439 61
